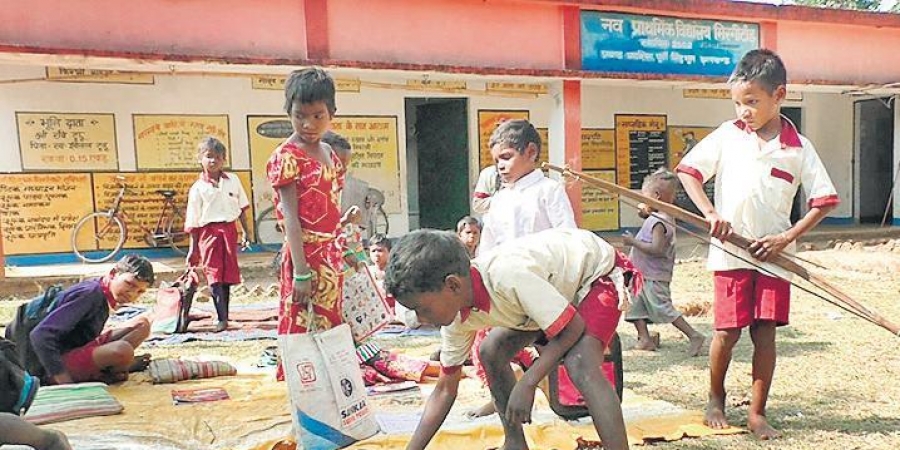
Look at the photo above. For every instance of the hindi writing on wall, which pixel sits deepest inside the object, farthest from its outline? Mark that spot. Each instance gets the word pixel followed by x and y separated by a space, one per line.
pixel 641 147
pixel 40 210
pixel 67 141
pixel 169 142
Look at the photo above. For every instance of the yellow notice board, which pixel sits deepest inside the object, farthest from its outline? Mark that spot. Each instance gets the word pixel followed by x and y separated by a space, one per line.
pixel 169 142
pixel 682 140
pixel 544 133
pixel 487 122
pixel 598 148
pixel 375 157
pixel 600 210
pixel 83 75
pixel 517 88
pixel 143 205
pixel 640 147
pixel 266 133
pixel 69 142
pixel 39 210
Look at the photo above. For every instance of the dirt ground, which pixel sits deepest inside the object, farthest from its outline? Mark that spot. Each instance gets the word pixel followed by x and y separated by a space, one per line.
pixel 836 385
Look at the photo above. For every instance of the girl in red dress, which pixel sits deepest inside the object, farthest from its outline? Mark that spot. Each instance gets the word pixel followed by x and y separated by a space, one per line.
pixel 307 178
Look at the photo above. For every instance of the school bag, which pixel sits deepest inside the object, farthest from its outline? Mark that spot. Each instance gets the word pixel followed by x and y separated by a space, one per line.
pixel 17 387
pixel 173 304
pixel 567 402
pixel 28 316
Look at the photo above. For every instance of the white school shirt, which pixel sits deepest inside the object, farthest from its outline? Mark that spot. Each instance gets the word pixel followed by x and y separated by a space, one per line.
pixel 211 203
pixel 531 204
pixel 755 186
pixel 533 283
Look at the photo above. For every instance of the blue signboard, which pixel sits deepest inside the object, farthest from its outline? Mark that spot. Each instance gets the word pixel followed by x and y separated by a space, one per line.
pixel 664 45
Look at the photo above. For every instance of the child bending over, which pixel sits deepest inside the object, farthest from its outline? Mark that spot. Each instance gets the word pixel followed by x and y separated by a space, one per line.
pixel 758 161
pixel 215 202
pixel 561 286
pixel 69 345
pixel 653 253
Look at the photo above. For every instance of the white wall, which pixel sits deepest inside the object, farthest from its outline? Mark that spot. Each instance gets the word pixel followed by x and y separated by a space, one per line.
pixel 827 122
pixel 827 117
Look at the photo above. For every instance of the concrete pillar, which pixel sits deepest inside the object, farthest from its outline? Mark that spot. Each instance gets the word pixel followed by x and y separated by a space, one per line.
pixel 565 134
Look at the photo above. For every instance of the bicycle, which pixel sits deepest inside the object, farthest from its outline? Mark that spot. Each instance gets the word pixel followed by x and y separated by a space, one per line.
pixel 100 235
pixel 269 237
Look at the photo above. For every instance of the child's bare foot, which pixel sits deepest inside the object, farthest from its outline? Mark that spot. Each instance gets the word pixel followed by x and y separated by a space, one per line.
pixel 696 347
pixel 715 414
pixel 484 410
pixel 760 427
pixel 647 346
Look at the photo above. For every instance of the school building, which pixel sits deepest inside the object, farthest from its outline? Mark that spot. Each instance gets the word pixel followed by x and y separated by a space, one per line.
pixel 94 89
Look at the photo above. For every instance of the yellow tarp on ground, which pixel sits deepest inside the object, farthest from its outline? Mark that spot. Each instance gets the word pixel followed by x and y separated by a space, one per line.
pixel 257 417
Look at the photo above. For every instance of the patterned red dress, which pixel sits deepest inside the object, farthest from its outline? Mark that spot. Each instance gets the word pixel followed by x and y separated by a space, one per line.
pixel 318 192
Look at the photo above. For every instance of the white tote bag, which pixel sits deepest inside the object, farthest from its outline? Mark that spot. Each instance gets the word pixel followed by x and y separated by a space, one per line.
pixel 328 398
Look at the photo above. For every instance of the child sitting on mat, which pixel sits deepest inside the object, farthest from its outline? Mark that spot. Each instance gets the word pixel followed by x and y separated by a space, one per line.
pixel 67 343
pixel 562 287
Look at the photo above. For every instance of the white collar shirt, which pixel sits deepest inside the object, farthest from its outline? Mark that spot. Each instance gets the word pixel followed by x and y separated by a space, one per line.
pixel 531 204
pixel 210 202
pixel 755 185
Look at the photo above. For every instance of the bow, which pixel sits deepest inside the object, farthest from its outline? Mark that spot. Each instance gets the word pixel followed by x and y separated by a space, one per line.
pixel 838 297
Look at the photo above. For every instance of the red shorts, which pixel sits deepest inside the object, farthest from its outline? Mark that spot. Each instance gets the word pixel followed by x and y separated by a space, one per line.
pixel 80 361
pixel 744 296
pixel 600 310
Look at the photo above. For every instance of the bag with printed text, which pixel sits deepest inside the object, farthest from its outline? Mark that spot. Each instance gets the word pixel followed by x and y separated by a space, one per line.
pixel 329 407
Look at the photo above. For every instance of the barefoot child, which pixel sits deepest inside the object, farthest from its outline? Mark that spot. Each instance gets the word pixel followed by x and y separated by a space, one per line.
pixel 653 253
pixel 215 202
pixel 560 286
pixel 758 161
pixel 69 345
pixel 307 177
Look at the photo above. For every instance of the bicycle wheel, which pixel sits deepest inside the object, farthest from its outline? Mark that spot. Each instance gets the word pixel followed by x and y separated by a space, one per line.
pixel 175 234
pixel 98 237
pixel 266 228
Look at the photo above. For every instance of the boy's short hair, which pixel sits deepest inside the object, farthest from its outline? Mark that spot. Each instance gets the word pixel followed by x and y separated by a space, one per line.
pixel 517 134
pixel 467 220
pixel 336 141
pixel 137 265
pixel 421 261
pixel 381 241
pixel 309 86
pixel 211 143
pixel 663 176
pixel 762 66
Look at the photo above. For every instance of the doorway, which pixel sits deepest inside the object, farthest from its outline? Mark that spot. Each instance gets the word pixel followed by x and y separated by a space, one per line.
pixel 874 130
pixel 438 158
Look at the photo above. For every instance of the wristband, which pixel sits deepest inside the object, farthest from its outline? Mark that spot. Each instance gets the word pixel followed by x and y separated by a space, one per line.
pixel 303 276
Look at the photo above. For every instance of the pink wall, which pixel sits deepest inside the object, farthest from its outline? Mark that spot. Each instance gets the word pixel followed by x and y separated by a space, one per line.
pixel 460 32
pixel 844 53
pixel 233 28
